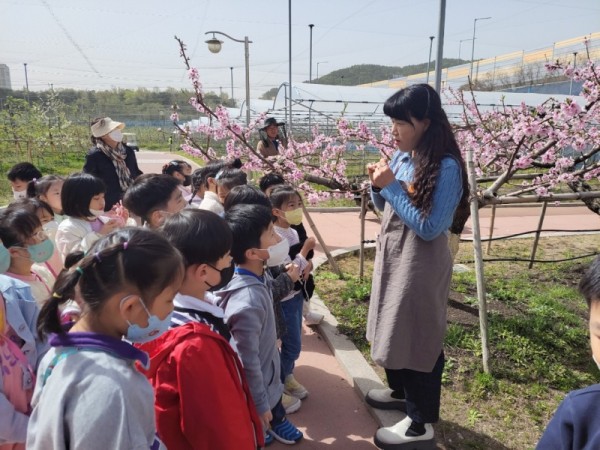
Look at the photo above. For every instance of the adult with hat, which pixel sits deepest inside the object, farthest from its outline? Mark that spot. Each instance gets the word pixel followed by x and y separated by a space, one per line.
pixel 111 160
pixel 270 138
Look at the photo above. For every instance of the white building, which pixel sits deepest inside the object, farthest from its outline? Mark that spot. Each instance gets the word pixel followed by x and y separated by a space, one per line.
pixel 5 77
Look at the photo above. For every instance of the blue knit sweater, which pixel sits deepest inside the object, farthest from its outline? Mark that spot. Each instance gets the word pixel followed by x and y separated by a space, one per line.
pixel 446 196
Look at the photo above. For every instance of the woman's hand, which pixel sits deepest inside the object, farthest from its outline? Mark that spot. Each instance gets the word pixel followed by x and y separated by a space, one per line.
pixel 293 271
pixel 380 174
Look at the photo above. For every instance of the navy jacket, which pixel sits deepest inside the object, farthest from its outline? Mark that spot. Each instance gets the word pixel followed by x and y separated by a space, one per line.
pixel 576 422
pixel 101 166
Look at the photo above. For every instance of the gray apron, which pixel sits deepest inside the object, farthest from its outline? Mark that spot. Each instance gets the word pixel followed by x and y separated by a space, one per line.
pixel 409 294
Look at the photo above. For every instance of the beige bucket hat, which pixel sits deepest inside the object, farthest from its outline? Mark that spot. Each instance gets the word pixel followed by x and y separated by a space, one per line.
pixel 105 126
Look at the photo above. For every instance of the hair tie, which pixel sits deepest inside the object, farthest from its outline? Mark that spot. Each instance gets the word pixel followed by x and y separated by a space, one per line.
pixel 97 257
pixel 125 244
pixel 56 295
pixel 34 180
pixel 79 270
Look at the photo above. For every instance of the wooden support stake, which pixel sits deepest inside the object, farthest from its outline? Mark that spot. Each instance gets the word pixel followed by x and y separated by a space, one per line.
pixel 537 234
pixel 483 316
pixel 363 215
pixel 489 244
pixel 330 259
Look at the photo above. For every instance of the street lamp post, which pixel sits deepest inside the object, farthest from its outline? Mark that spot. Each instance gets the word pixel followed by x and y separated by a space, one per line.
pixel 310 53
pixel 460 45
pixel 320 62
pixel 429 60
pixel 473 44
pixel 574 66
pixel 214 45
pixel 232 101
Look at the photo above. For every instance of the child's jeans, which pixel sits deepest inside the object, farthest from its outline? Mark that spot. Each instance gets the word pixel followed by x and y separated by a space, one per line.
pixel 291 340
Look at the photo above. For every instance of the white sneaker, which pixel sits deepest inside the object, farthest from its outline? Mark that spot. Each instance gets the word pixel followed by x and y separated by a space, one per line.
pixel 395 438
pixel 313 318
pixel 293 388
pixel 290 404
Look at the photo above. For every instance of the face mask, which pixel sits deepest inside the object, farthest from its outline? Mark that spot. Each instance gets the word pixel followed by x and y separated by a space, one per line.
pixel 596 361
pixel 41 252
pixel 116 135
pixel 188 180
pixel 226 276
pixel 278 253
pixel 96 212
pixel 18 195
pixel 155 327
pixel 294 217
pixel 4 259
pixel 51 228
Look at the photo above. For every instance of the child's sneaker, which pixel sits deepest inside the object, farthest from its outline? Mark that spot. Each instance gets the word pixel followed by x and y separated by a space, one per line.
pixel 290 404
pixel 286 432
pixel 268 439
pixel 293 388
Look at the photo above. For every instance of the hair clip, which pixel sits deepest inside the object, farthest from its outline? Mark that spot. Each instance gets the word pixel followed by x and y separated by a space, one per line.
pixel 56 295
pixel 97 257
pixel 34 180
pixel 79 270
pixel 125 244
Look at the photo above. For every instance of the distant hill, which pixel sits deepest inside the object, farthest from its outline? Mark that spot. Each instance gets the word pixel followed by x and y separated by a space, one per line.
pixel 368 73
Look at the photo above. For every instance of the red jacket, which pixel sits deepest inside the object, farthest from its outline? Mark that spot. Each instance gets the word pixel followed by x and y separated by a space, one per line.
pixel 202 398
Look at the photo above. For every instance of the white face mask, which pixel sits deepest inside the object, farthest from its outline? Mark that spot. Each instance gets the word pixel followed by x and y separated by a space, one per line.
pixel 50 229
pixel 18 195
pixel 596 361
pixel 278 253
pixel 116 135
pixel 97 212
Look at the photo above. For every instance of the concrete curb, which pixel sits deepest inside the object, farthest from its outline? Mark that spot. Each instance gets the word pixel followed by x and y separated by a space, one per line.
pixel 361 375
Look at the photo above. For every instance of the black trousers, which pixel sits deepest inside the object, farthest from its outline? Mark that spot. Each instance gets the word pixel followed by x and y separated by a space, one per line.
pixel 278 414
pixel 422 390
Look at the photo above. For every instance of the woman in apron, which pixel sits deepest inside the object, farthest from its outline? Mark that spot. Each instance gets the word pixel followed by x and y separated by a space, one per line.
pixel 419 191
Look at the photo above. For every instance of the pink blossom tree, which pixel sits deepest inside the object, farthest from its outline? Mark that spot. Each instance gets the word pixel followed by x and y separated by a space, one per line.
pixel 554 144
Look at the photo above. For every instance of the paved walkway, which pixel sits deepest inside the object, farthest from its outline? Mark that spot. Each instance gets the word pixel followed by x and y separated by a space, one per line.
pixel 334 415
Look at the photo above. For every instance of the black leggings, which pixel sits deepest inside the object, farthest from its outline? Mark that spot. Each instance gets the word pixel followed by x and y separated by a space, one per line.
pixel 422 390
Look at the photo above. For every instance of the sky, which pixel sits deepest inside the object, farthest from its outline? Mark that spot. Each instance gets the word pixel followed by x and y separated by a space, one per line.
pixel 100 45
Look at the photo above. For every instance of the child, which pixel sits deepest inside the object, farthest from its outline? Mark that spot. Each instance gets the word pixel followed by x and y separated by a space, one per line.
pixel 287 209
pixel 202 397
pixel 19 176
pixel 248 306
pixel 227 179
pixel 576 422
pixel 89 393
pixel 267 183
pixel 82 198
pixel 46 215
pixel 27 243
pixel 207 184
pixel 20 351
pixel 48 189
pixel 182 172
pixel 153 198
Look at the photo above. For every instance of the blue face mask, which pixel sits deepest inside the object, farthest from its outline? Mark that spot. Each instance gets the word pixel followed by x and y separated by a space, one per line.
pixel 155 327
pixel 41 252
pixel 4 259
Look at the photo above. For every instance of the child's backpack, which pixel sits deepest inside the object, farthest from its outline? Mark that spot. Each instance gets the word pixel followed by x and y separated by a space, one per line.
pixel 18 378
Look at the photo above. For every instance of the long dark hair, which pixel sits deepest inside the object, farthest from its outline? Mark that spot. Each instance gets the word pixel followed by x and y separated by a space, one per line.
pixel 421 101
pixel 135 259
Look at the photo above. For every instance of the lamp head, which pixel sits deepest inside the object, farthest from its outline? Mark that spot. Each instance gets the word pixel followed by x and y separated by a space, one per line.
pixel 214 45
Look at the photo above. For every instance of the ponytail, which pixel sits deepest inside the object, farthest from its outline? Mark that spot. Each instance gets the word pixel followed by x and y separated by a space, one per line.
pixel 64 290
pixel 31 189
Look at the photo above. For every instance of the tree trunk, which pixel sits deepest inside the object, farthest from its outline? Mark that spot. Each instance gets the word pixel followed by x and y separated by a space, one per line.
pixel 593 204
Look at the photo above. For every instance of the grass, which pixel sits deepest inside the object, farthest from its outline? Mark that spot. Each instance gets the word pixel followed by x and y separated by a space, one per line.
pixel 539 346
